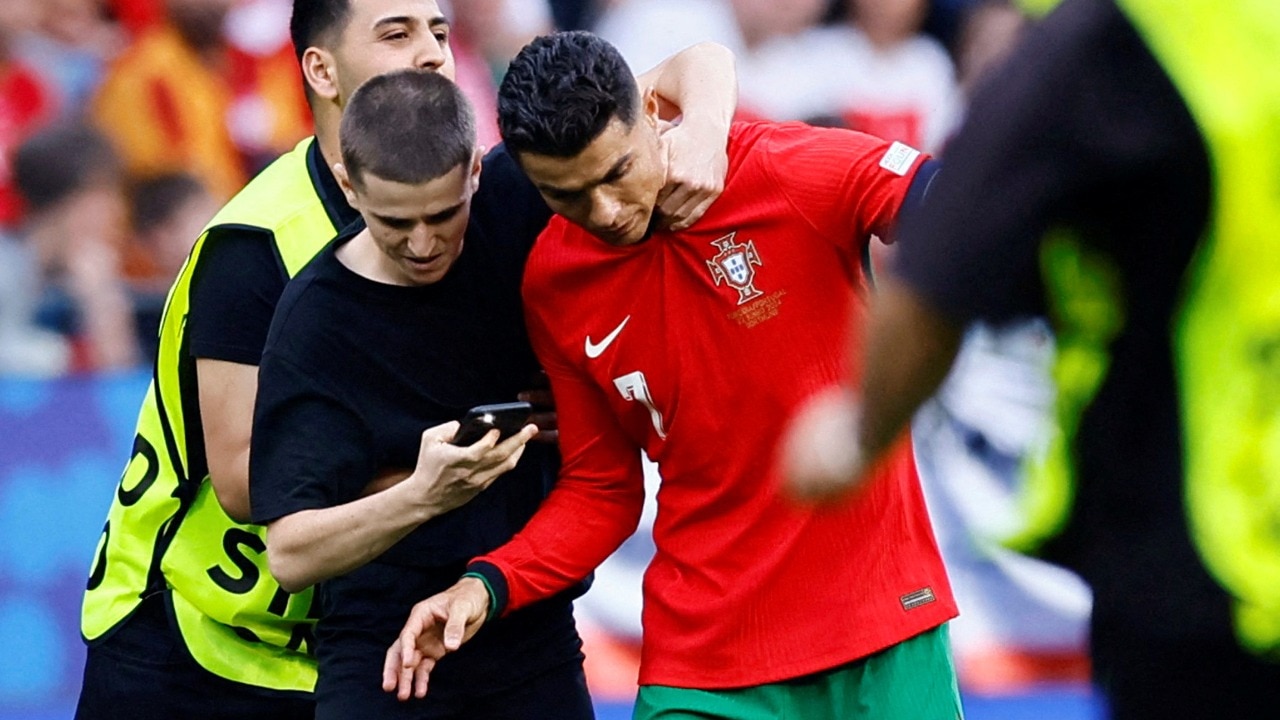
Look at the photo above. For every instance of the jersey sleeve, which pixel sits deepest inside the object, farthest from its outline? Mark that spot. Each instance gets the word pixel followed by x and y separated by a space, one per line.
pixel 309 448
pixel 234 292
pixel 847 185
pixel 595 505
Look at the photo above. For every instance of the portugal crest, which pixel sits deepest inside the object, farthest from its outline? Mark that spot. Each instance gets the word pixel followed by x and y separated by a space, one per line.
pixel 733 265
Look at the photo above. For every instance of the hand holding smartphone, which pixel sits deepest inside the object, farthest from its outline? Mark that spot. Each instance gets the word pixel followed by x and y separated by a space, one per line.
pixel 508 418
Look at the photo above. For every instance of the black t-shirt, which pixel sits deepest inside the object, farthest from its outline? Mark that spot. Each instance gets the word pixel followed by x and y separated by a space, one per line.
pixel 353 371
pixel 1082 129
pixel 240 276
pixel 238 282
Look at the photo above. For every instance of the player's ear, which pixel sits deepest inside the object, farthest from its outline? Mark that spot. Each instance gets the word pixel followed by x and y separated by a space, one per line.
pixel 318 71
pixel 344 181
pixel 650 104
pixel 477 163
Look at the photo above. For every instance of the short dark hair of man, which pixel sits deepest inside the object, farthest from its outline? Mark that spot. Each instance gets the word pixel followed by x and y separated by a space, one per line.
pixel 155 200
pixel 60 161
pixel 316 21
pixel 560 93
pixel 409 126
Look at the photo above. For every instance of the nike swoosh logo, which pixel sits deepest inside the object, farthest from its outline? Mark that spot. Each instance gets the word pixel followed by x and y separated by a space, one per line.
pixel 595 349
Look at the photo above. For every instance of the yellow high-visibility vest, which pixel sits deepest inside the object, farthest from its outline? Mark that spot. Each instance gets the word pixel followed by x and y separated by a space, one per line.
pixel 165 529
pixel 1223 58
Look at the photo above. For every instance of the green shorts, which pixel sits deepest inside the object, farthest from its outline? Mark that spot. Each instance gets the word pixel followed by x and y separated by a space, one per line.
pixel 913 680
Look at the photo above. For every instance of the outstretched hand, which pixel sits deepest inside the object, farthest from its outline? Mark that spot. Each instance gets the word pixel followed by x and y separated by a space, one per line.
pixel 436 626
pixel 821 457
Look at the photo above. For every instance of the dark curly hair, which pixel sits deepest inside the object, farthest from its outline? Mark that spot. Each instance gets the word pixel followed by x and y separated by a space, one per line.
pixel 561 91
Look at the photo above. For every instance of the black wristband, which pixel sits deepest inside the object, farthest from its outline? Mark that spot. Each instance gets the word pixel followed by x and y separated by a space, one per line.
pixel 495 582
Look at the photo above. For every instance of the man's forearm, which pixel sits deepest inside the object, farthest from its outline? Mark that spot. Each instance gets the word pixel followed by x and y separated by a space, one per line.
pixel 700 83
pixel 909 350
pixel 307 547
pixel 579 525
pixel 231 484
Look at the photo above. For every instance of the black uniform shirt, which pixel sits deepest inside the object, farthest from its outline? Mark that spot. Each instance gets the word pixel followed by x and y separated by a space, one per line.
pixel 1082 129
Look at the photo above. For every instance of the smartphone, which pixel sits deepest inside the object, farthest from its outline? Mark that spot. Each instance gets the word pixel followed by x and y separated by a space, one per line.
pixel 508 418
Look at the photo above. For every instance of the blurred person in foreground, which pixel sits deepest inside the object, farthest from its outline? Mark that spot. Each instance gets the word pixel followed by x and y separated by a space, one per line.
pixel 1119 173
pixel 75 224
pixel 181 613
pixel 1024 619
pixel 694 346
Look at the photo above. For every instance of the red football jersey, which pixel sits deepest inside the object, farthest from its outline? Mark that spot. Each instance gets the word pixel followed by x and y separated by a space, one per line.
pixel 697 347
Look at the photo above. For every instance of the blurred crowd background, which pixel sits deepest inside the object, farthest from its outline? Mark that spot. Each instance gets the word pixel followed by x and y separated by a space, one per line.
pixel 124 124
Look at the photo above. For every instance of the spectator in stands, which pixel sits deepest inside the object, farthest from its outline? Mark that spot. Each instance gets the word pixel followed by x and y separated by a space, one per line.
pixel 25 348
pixel 72 42
pixel 497 29
pixel 167 105
pixel 782 73
pixel 70 179
pixel 26 102
pixel 137 15
pixel 485 35
pixel 167 212
pixel 887 78
pixel 269 112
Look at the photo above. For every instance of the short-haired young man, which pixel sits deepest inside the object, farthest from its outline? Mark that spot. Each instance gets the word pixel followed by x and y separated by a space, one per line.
pixel 695 346
pixel 180 613
pixel 400 325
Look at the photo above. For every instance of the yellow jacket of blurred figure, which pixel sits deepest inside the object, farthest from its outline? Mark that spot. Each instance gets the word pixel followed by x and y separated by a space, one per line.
pixel 1222 59
pixel 1037 8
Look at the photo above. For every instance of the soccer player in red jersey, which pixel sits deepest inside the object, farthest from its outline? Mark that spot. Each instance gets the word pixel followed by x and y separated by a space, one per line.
pixel 695 346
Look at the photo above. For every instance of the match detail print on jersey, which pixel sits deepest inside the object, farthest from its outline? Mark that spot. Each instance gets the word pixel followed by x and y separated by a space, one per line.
pixel 899 158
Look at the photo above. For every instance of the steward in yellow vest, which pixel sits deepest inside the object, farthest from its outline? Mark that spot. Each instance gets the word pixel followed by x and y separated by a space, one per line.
pixel 1125 165
pixel 167 545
